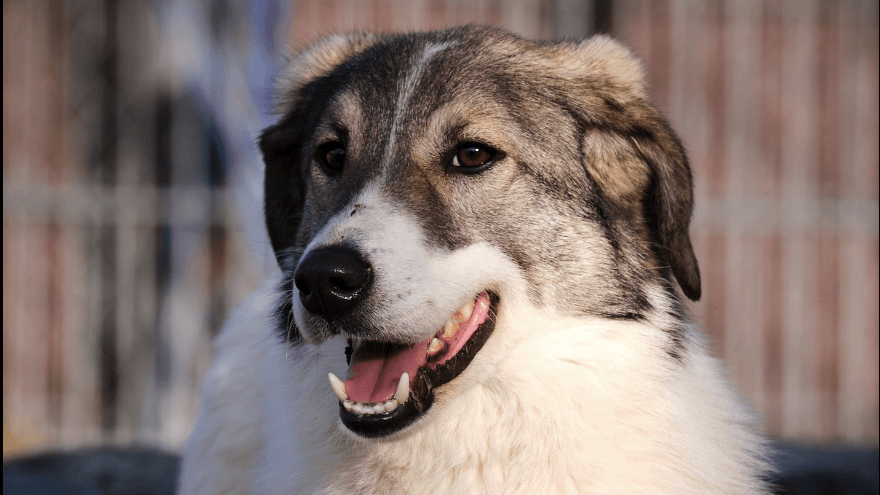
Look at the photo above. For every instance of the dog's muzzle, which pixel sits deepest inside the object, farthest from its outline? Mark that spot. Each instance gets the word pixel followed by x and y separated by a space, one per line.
pixel 390 384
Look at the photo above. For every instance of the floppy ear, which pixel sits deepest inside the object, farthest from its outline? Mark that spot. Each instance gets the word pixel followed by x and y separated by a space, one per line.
pixel 281 144
pixel 669 202
pixel 635 156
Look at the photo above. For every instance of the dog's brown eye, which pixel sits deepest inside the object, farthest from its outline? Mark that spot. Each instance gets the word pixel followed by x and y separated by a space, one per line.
pixel 331 156
pixel 472 156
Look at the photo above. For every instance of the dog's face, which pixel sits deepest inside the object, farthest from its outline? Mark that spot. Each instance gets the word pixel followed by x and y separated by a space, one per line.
pixel 416 185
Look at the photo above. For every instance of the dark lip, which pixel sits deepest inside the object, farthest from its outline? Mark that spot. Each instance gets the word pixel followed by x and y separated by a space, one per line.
pixel 422 388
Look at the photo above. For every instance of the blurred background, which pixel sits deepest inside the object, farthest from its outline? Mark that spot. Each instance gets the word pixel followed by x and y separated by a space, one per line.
pixel 132 211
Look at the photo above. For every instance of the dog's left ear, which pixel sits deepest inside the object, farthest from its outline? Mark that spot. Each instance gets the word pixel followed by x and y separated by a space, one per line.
pixel 635 156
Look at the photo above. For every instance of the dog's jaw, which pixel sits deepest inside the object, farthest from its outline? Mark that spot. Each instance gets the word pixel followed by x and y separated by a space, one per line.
pixel 379 400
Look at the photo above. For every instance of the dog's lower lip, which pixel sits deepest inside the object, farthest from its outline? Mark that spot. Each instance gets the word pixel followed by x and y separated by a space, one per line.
pixel 429 376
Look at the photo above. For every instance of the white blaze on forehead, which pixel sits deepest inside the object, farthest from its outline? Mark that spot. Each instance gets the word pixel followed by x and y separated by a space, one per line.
pixel 413 75
pixel 430 50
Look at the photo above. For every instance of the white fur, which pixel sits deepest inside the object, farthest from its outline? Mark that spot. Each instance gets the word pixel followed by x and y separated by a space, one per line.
pixel 549 405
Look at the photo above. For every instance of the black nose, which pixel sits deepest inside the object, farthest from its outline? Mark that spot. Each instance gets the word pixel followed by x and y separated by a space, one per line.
pixel 331 280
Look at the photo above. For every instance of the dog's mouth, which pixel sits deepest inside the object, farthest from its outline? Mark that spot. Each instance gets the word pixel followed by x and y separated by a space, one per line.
pixel 389 385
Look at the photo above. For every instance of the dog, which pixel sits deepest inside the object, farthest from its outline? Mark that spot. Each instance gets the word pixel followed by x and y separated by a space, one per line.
pixel 483 243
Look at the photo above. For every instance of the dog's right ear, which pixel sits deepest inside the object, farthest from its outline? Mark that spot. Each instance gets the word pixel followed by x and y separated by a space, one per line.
pixel 635 155
pixel 298 91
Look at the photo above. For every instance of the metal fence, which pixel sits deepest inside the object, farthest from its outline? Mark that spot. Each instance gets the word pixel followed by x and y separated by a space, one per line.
pixel 131 193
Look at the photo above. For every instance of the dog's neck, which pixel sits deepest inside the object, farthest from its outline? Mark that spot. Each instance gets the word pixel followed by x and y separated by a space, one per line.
pixel 533 427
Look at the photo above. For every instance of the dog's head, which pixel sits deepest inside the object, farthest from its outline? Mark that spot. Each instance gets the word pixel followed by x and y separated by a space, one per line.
pixel 417 184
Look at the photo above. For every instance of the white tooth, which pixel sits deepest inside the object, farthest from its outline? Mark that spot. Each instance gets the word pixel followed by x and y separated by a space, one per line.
pixel 358 408
pixel 338 387
pixel 347 405
pixel 379 408
pixel 464 312
pixel 434 346
pixel 402 388
pixel 450 328
pixel 390 405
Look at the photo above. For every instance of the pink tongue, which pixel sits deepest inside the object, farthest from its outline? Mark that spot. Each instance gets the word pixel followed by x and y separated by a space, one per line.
pixel 376 368
pixel 374 371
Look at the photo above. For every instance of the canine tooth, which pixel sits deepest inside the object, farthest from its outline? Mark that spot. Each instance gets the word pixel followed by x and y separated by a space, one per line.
pixel 464 312
pixel 338 387
pixel 435 346
pixel 402 388
pixel 390 405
